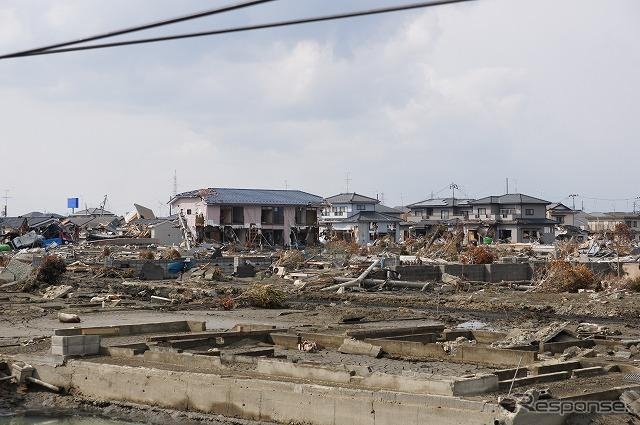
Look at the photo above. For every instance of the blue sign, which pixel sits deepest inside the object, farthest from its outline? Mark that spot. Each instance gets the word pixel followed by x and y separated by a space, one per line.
pixel 73 202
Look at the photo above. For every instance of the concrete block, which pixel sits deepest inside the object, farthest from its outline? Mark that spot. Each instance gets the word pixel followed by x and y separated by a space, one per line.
pixel 6 276
pixel 353 346
pixel 588 371
pixel 559 347
pixel 410 349
pixel 426 337
pixel 75 345
pixel 19 269
pixel 21 371
pixel 504 374
pixel 246 270
pixel 151 271
pixel 476 385
pixel 495 356
pixel 285 340
pixel 338 374
pixel 386 332
pixel 535 379
pixel 456 333
pixel 555 367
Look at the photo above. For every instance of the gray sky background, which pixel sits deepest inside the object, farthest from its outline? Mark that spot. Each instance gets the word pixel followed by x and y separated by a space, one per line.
pixel 544 92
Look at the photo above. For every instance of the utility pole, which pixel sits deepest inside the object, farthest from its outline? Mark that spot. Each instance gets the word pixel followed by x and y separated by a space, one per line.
pixel 6 197
pixel 573 196
pixel 175 183
pixel 453 188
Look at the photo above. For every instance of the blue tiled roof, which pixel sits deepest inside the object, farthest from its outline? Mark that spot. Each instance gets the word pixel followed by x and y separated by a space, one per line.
pixel 221 196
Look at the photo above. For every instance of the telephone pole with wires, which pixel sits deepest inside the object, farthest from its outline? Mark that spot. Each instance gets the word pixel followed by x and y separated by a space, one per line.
pixel 573 197
pixel 6 197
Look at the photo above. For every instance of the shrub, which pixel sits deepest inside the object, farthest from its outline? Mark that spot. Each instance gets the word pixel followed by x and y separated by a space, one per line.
pixel 562 276
pixel 51 270
pixel 342 247
pixel 171 254
pixel 478 255
pixel 146 255
pixel 292 259
pixel 265 296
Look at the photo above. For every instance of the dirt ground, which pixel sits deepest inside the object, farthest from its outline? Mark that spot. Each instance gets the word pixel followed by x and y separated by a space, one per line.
pixel 26 322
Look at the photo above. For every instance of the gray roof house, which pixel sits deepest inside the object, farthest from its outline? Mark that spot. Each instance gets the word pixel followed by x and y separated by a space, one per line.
pixel 252 217
pixel 517 218
pixel 359 218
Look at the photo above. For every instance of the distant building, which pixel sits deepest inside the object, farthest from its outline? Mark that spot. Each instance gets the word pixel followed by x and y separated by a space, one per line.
pixel 252 216
pixel 563 214
pixel 517 218
pixel 606 222
pixel 359 218
pixel 514 218
pixel 424 215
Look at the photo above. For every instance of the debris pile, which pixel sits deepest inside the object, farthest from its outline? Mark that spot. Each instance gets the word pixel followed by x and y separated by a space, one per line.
pixel 562 276
pixel 264 296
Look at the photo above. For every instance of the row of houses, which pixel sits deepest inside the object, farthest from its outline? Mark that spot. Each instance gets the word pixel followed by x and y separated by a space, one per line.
pixel 293 218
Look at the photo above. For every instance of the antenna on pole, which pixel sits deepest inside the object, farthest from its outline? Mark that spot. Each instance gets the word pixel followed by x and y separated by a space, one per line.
pixel 507 185
pixel 348 180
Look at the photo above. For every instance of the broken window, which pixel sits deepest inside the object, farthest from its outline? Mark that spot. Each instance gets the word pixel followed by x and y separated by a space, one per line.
pixel 267 216
pixel 504 234
pixel 529 211
pixel 311 216
pixel 278 215
pixel 238 215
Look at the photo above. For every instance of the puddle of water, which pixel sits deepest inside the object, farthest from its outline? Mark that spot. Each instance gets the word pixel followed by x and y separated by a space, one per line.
pixel 472 325
pixel 58 420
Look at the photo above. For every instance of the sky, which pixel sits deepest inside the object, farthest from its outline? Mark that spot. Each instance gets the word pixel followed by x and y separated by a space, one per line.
pixel 399 106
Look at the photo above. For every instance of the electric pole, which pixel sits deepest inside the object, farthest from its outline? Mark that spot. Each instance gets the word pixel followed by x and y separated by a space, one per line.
pixel 573 196
pixel 453 188
pixel 6 197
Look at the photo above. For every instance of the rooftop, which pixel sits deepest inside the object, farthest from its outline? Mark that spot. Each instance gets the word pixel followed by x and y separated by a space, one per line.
pixel 510 198
pixel 351 198
pixel 369 217
pixel 441 202
pixel 222 196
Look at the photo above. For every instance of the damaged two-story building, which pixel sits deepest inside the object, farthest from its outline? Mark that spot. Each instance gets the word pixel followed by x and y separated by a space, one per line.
pixel 251 217
pixel 512 218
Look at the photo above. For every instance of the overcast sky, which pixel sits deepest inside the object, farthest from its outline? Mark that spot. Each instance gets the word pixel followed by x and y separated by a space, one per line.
pixel 543 92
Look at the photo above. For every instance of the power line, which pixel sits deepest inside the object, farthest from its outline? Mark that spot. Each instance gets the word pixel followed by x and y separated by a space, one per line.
pixel 143 27
pixel 242 28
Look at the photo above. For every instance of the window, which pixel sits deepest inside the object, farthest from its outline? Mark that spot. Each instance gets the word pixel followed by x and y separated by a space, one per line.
pixel 635 224
pixel 529 211
pixel 360 207
pixel 189 211
pixel 444 214
pixel 482 211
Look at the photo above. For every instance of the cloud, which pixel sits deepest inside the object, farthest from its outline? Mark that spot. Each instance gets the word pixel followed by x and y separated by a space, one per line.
pixel 406 103
pixel 11 27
